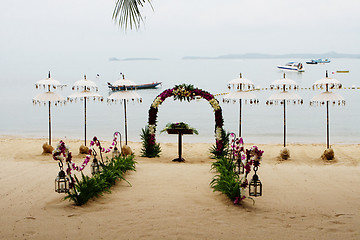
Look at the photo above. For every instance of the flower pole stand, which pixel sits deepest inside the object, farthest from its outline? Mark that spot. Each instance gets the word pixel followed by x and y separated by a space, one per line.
pixel 180 132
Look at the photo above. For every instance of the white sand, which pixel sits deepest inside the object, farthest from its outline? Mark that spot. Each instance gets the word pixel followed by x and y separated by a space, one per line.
pixel 304 197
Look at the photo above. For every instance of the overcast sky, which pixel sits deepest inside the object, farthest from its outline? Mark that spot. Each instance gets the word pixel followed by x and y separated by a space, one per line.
pixel 72 28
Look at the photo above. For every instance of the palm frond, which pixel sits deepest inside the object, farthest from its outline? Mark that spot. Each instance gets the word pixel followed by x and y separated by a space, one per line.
pixel 127 13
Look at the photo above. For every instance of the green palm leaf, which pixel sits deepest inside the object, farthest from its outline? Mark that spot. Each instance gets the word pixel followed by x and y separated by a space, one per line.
pixel 127 13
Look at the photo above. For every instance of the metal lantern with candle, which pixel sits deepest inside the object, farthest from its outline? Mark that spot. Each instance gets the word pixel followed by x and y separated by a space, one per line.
pixel 95 166
pixel 255 186
pixel 61 181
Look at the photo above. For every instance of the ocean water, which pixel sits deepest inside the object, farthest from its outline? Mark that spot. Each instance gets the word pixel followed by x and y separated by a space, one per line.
pixel 260 123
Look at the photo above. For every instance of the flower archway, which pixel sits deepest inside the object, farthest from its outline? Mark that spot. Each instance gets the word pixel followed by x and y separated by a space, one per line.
pixel 183 92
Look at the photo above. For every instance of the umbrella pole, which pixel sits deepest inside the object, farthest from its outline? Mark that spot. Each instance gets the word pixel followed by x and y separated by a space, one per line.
pixel 240 120
pixel 49 124
pixel 327 124
pixel 125 122
pixel 85 117
pixel 284 123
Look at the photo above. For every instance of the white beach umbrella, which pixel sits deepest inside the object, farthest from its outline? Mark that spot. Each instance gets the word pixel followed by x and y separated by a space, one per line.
pixel 85 95
pixel 236 95
pixel 123 97
pixel 123 82
pixel 284 97
pixel 284 82
pixel 324 97
pixel 85 84
pixel 327 97
pixel 330 82
pixel 49 97
pixel 241 84
pixel 49 83
pixel 241 90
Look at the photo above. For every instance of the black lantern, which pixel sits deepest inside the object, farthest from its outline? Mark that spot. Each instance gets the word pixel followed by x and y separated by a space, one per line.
pixel 95 167
pixel 255 186
pixel 61 183
pixel 241 167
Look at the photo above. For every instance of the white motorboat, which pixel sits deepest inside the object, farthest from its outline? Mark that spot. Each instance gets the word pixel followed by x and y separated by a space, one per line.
pixel 292 66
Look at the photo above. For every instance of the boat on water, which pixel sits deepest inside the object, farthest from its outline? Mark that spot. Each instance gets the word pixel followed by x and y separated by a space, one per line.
pixel 320 60
pixel 312 61
pixel 134 87
pixel 292 66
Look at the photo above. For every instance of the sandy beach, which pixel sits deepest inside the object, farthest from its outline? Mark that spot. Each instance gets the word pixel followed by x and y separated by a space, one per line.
pixel 304 197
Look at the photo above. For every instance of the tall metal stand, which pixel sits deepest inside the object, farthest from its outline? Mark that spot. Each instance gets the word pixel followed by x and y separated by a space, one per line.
pixel 180 132
pixel 327 125
pixel 284 123
pixel 49 123
pixel 240 119
pixel 180 148
pixel 327 118
pixel 85 117
pixel 125 122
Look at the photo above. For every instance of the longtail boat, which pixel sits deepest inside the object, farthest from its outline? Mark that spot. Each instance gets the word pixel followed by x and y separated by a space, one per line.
pixel 133 87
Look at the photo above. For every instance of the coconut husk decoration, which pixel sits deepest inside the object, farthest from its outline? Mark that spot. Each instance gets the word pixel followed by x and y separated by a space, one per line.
pixel 284 154
pixel 47 148
pixel 126 150
pixel 328 154
pixel 83 149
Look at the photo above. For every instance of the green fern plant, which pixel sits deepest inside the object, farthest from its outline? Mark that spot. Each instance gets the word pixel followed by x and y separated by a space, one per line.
pixel 95 186
pixel 227 180
pixel 215 153
pixel 149 150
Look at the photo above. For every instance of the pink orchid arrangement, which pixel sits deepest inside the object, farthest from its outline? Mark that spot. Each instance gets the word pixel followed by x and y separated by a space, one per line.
pixel 246 158
pixel 62 152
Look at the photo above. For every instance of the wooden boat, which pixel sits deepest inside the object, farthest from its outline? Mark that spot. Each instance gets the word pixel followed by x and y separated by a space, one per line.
pixel 133 87
pixel 342 71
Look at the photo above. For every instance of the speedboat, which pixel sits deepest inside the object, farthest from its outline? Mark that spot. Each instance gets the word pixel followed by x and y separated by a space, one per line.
pixel 323 60
pixel 320 60
pixel 312 61
pixel 292 66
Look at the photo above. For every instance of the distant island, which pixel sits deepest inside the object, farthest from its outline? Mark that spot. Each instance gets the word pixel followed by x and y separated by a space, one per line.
pixel 133 59
pixel 260 55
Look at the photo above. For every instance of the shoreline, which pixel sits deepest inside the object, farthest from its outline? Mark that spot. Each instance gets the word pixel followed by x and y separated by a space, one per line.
pixel 309 153
pixel 188 139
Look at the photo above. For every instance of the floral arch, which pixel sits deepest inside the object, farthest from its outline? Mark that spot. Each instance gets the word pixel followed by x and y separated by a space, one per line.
pixel 182 92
